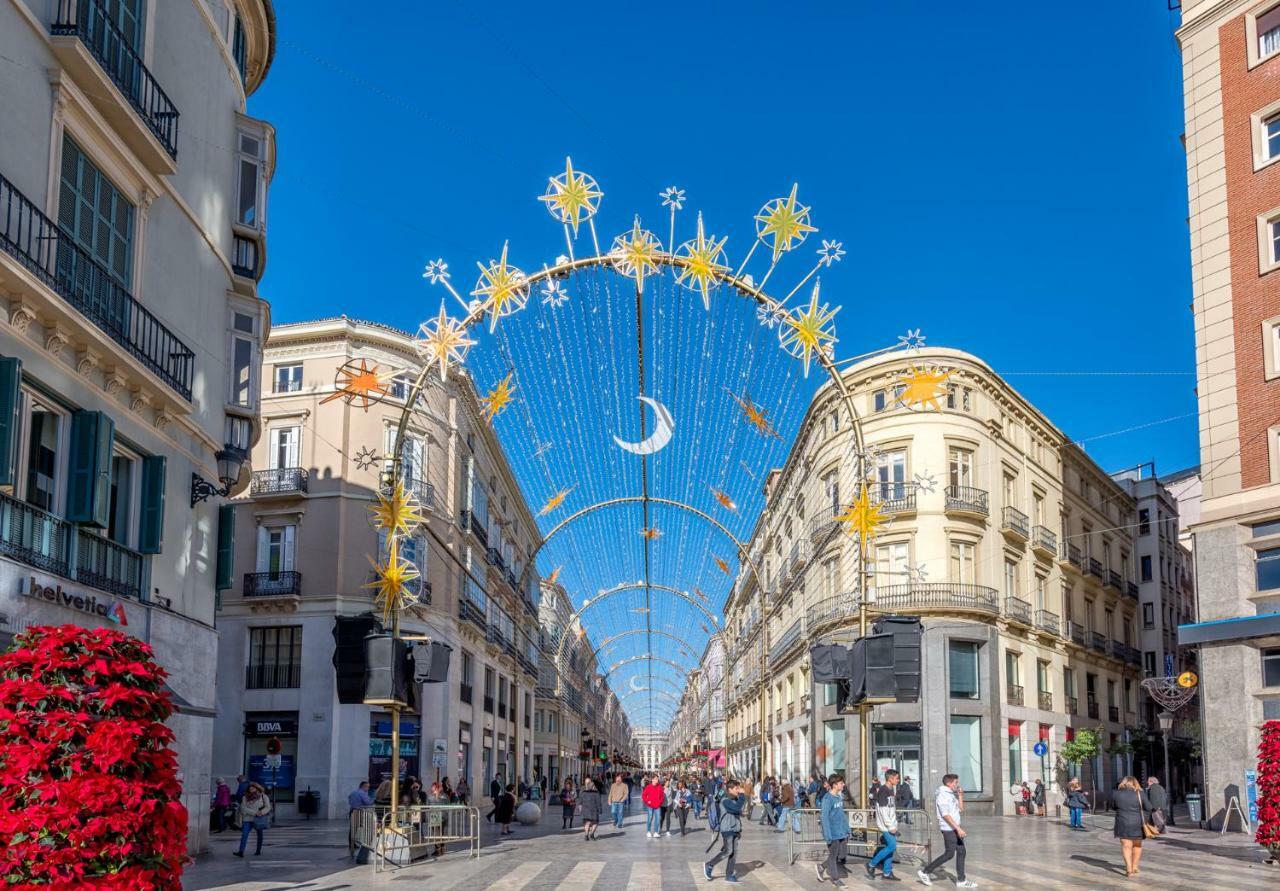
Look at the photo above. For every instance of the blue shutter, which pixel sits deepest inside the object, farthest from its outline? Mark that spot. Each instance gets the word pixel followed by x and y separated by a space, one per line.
pixel 151 531
pixel 89 486
pixel 226 546
pixel 10 377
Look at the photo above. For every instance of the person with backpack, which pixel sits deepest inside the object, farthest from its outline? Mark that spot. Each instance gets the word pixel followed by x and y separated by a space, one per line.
pixel 652 797
pixel 835 832
pixel 730 806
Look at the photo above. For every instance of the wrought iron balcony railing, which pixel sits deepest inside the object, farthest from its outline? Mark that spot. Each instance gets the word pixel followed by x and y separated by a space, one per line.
pixel 1098 641
pixel 1093 709
pixel 1073 705
pixel 938 596
pixel 1018 610
pixel 108 566
pixel 1046 701
pixel 1113 713
pixel 1077 633
pixel 284 583
pixel 90 21
pixel 1043 538
pixel 967 499
pixel 272 676
pixel 1095 568
pixel 785 641
pixel 1047 621
pixel 894 498
pixel 821 527
pixel 278 481
pixel 33 536
pixel 1071 555
pixel 1114 580
pixel 1015 521
pixel 52 256
pixel 1131 588
pixel 1013 694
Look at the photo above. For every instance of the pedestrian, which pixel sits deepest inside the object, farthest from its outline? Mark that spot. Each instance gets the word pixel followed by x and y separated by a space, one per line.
pixel 447 791
pixel 652 796
pixel 1159 800
pixel 1077 801
pixel 356 801
pixel 1026 798
pixel 731 807
pixel 463 791
pixel 242 786
pixel 542 785
pixel 255 815
pixel 786 803
pixel 904 799
pixel 568 802
pixel 668 800
pixel 1037 798
pixel 505 808
pixel 495 790
pixel 221 804
pixel 618 800
pixel 835 832
pixel 947 806
pixel 435 818
pixel 885 803
pixel 591 808
pixel 682 802
pixel 382 797
pixel 708 794
pixel 1132 808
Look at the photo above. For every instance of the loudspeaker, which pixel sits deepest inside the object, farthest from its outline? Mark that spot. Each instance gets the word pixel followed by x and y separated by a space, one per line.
pixel 880 682
pixel 430 662
pixel 830 663
pixel 906 632
pixel 387 672
pixel 349 663
pixel 856 687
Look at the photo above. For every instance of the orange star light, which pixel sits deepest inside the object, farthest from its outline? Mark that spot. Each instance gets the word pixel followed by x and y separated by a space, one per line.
pixel 725 501
pixel 924 387
pixel 498 398
pixel 755 416
pixel 554 501
pixel 360 381
pixel 724 567
pixel 555 574
pixel 651 534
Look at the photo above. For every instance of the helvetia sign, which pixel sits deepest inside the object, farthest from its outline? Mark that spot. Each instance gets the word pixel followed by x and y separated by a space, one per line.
pixel 85 603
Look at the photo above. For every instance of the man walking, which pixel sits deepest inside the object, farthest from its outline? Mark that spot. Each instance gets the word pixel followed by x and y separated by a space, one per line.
pixel 617 800
pixel 786 801
pixel 904 799
pixel 835 832
pixel 1159 800
pixel 885 803
pixel 495 789
pixel 947 806
pixel 731 807
pixel 359 798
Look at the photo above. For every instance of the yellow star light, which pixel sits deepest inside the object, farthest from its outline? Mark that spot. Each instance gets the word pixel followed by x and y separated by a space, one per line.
pixel 636 253
pixel 358 379
pixel 755 416
pixel 863 518
pixel 392 580
pixel 782 224
pixel 554 501
pixel 924 387
pixel 724 567
pixel 723 497
pixel 651 534
pixel 443 341
pixel 703 262
pixel 504 289
pixel 396 513
pixel 499 397
pixel 572 196
pixel 810 331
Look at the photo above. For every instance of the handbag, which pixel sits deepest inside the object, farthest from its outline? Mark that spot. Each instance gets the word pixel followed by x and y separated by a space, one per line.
pixel 261 822
pixel 1148 831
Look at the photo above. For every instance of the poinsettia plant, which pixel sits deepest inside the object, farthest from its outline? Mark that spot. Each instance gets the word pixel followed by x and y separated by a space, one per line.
pixel 1269 787
pixel 88 781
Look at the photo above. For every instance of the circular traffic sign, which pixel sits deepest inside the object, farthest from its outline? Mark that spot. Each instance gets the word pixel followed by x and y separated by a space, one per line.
pixel 1040 749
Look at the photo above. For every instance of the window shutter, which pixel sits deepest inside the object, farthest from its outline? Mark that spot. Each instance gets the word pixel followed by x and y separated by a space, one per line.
pixel 151 533
pixel 89 490
pixel 226 546
pixel 10 377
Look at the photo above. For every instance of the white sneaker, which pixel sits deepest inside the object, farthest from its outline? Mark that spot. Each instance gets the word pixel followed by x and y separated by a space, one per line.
pixel 966 884
pixel 648 835
pixel 924 878
pixel 668 835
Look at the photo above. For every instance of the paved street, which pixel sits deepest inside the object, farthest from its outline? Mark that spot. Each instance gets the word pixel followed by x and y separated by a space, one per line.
pixel 1004 853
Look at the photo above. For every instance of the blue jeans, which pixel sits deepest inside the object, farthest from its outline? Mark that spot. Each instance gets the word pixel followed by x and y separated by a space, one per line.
pixel 782 819
pixel 1077 817
pixel 653 822
pixel 885 857
pixel 245 829
pixel 617 808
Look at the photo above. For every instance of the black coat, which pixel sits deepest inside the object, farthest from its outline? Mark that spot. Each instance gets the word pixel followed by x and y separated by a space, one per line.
pixel 1131 807
pixel 505 808
pixel 1158 797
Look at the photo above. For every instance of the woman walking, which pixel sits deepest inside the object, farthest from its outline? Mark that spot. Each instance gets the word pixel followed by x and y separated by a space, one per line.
pixel 683 801
pixel 652 796
pixel 435 818
pixel 568 802
pixel 1077 801
pixel 255 815
pixel 504 809
pixel 668 799
pixel 591 808
pixel 1132 808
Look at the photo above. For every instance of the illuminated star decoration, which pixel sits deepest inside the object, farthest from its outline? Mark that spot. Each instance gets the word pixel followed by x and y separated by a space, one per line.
pixel 360 381
pixel 830 252
pixel 365 458
pixel 436 271
pixel 572 196
pixel 912 340
pixel 755 416
pixel 703 261
pixel 924 387
pixel 721 565
pixel 698 591
pixel 917 573
pixel 782 224
pixel 554 294
pixel 863 518
pixel 672 197
pixel 504 289
pixel 498 398
pixel 723 497
pixel 650 534
pixel 809 331
pixel 635 254
pixel 770 316
pixel 555 574
pixel 397 512
pixel 555 501
pixel 443 341
pixel 392 580
pixel 926 482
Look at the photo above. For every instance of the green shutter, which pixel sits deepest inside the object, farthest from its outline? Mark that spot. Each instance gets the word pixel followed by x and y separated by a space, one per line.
pixel 10 377
pixel 89 490
pixel 226 546
pixel 151 532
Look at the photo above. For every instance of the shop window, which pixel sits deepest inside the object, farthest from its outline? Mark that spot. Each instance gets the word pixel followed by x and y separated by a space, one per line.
pixel 963 669
pixel 260 729
pixel 966 751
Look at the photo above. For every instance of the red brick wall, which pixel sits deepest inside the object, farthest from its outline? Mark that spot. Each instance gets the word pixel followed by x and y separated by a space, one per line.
pixel 1254 298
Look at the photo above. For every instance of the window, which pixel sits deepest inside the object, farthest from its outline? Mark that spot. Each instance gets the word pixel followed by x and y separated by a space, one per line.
pixel 124 494
pixel 1145 570
pixel 288 378
pixel 960 467
pixel 244 349
pixel 1088 615
pixel 1041 593
pixel 1271 134
pixel 44 426
pixel 1144 522
pixel 276 548
pixel 1037 509
pixel 878 400
pixel 1149 663
pixel 465 676
pixel 831 490
pixel 1010 578
pixel 1271 668
pixel 1148 615
pixel 891 472
pixel 1042 676
pixel 1010 490
pixel 284 448
pixel 98 218
pixel 490 680
pixel 275 658
pixel 1267 27
pixel 834 738
pixel 249 200
pixel 891 563
pixel 1015 752
pixel 1268 569
pixel 239 431
pixel 966 751
pixel 1069 683
pixel 239 47
pixel 962 659
pixel 962 563
pixel 1013 668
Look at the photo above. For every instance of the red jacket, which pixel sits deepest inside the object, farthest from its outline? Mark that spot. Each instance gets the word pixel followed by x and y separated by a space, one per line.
pixel 653 796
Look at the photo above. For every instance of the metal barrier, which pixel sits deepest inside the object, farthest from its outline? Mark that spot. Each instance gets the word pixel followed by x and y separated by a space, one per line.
pixel 419 832
pixel 915 834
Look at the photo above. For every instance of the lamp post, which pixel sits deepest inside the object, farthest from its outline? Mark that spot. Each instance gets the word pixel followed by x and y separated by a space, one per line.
pixel 1166 727
pixel 229 461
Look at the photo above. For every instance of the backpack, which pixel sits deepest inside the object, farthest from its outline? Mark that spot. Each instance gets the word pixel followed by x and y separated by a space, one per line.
pixel 713 815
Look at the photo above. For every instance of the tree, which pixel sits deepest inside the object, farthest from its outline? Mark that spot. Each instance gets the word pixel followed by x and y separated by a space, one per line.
pixel 1084 748
pixel 88 781
pixel 1268 833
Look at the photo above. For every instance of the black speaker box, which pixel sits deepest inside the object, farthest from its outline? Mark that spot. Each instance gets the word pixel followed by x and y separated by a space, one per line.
pixel 387 672
pixel 349 663
pixel 430 662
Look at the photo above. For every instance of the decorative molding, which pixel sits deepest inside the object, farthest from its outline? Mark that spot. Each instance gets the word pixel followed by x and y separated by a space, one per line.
pixel 56 337
pixel 138 399
pixel 114 382
pixel 87 360
pixel 163 418
pixel 21 315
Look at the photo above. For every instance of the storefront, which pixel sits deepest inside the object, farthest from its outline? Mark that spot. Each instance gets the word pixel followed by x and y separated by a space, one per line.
pixel 276 772
pixel 897 747
pixel 380 747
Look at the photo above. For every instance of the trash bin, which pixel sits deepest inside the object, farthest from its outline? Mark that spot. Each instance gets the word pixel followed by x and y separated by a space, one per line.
pixel 1193 805
pixel 309 803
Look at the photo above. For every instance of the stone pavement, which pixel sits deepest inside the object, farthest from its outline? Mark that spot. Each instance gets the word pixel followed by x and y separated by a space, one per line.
pixel 1004 853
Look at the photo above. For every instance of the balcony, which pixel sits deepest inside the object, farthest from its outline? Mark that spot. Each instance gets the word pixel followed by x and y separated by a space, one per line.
pixel 821 528
pixel 1047 621
pixel 471 612
pixel 966 500
pixel 1070 557
pixel 1073 705
pixel 791 710
pixel 1113 714
pixel 1094 568
pixel 1018 610
pixel 1093 709
pixel 1015 524
pixel 101 58
pixel 280 481
pixel 425 493
pixel 939 596
pixel 894 498
pixel 493 557
pixel 1113 580
pixel 468 520
pixel 283 583
pixel 1077 633
pixel 488 704
pixel 1131 588
pixel 1046 701
pixel 1133 655
pixel 46 252
pixel 1013 694
pixel 1098 641
pixel 464 693
pixel 272 677
pixel 785 642
pixel 1044 540
pixel 33 536
pixel 103 564
pixel 244 262
pixel 1117 650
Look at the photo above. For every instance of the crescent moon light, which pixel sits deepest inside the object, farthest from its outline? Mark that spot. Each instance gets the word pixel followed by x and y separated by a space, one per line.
pixel 634 688
pixel 661 434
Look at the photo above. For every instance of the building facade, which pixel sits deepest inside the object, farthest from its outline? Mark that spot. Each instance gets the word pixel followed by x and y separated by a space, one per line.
pixel 1006 539
pixel 1231 81
pixel 697 731
pixel 132 201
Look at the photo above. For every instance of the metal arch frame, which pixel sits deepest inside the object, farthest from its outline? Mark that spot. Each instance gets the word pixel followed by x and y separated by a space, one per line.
pixel 645 657
pixel 576 616
pixel 613 638
pixel 663 693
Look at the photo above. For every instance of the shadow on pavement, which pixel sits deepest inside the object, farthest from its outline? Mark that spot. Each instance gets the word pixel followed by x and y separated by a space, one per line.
pixel 1105 865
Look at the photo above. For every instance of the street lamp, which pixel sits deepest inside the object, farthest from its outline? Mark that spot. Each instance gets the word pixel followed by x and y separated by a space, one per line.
pixel 230 460
pixel 1166 727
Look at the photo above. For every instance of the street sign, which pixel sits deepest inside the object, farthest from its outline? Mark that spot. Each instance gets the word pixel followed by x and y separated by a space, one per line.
pixel 438 759
pixel 1040 749
pixel 1251 795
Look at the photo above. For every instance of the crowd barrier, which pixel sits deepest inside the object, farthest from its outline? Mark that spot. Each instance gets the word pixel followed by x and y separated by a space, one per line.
pixel 415 834
pixel 805 841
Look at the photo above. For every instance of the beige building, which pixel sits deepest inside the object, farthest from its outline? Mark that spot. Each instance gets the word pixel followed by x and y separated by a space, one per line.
pixel 1231 84
pixel 133 192
pixel 697 731
pixel 1013 547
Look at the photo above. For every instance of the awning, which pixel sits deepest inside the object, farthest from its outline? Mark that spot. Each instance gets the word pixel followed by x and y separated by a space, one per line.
pixel 1227 630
